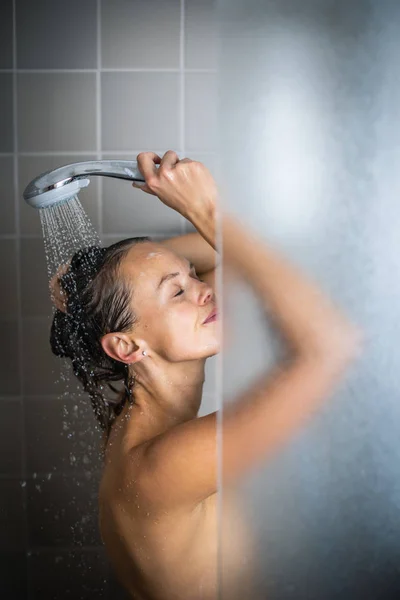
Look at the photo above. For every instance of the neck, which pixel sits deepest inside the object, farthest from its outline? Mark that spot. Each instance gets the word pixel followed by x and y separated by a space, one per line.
pixel 165 395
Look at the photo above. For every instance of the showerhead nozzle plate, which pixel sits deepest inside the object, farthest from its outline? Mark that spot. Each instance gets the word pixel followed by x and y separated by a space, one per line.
pixel 57 195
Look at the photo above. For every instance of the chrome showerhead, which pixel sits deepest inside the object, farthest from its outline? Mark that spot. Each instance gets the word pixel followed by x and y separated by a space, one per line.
pixel 62 184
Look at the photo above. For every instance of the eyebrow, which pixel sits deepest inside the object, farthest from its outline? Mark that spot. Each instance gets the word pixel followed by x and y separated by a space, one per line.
pixel 172 275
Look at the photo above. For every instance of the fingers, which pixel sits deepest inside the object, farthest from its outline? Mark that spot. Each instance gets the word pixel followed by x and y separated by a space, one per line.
pixel 144 187
pixel 169 159
pixel 147 162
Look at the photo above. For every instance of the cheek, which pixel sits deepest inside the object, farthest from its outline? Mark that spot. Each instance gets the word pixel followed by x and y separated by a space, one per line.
pixel 186 315
pixel 181 322
pixel 180 318
pixel 165 324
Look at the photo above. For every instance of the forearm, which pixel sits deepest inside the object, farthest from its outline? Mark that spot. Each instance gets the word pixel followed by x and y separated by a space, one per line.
pixel 195 248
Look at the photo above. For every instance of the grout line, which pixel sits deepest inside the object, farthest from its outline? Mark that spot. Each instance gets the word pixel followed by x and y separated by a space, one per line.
pixel 105 70
pixel 148 70
pixel 139 70
pixel 19 297
pixel 39 476
pixel 16 214
pixel 117 153
pixel 99 137
pixel 50 397
pixel 68 549
pixel 98 119
pixel 10 398
pixel 181 103
pixel 53 71
pixel 37 236
pixel 59 153
pixel 154 236
pixel 57 474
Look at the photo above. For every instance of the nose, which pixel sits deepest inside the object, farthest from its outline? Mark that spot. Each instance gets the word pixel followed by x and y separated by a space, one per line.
pixel 206 294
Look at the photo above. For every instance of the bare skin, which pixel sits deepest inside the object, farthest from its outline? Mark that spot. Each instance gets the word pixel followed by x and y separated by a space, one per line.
pixel 168 553
pixel 159 491
pixel 160 551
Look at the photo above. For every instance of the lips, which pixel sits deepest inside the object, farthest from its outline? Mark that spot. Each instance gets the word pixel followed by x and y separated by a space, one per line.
pixel 211 316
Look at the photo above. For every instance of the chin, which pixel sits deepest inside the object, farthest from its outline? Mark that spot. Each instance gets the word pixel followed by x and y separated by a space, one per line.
pixel 212 350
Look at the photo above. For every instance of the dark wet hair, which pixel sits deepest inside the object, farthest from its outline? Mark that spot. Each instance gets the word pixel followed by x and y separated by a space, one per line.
pixel 98 302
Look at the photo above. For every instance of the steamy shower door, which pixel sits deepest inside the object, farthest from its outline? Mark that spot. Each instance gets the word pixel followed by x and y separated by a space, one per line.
pixel 309 96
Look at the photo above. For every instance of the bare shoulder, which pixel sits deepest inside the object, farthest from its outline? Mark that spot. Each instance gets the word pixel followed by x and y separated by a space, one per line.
pixel 123 467
pixel 175 470
pixel 134 490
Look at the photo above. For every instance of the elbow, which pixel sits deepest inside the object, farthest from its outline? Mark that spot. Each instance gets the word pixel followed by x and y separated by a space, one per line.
pixel 342 346
pixel 347 348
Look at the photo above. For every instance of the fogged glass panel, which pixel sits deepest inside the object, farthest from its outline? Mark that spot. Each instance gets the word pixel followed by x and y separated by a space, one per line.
pixel 309 100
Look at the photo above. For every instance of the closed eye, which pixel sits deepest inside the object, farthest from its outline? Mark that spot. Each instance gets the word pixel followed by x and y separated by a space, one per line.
pixel 181 290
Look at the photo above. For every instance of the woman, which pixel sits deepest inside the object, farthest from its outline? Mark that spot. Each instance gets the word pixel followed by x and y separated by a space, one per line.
pixel 139 313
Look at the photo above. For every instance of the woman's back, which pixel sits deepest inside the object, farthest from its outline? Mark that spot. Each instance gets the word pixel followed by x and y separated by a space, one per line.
pixel 160 554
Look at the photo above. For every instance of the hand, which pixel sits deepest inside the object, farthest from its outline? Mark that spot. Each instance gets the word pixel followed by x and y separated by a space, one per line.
pixel 184 185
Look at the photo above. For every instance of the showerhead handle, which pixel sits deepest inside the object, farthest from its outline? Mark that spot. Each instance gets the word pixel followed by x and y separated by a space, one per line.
pixel 63 183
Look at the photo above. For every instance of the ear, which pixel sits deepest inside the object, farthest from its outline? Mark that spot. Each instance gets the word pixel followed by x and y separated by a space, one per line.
pixel 122 348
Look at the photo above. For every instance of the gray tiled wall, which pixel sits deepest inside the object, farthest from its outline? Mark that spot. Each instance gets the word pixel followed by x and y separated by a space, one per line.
pixel 79 81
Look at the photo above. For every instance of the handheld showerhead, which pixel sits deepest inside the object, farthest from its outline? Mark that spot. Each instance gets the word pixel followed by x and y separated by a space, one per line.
pixel 62 184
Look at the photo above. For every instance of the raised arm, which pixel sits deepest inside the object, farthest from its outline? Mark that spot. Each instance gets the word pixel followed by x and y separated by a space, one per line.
pixel 195 248
pixel 321 344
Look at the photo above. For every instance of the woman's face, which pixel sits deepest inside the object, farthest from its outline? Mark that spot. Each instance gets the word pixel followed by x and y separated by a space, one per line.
pixel 171 304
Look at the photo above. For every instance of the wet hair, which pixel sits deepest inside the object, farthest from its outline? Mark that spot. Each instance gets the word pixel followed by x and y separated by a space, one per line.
pixel 98 302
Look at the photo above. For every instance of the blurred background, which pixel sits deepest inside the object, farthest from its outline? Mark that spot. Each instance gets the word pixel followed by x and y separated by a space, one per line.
pixel 80 81
pixel 293 105
pixel 309 122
